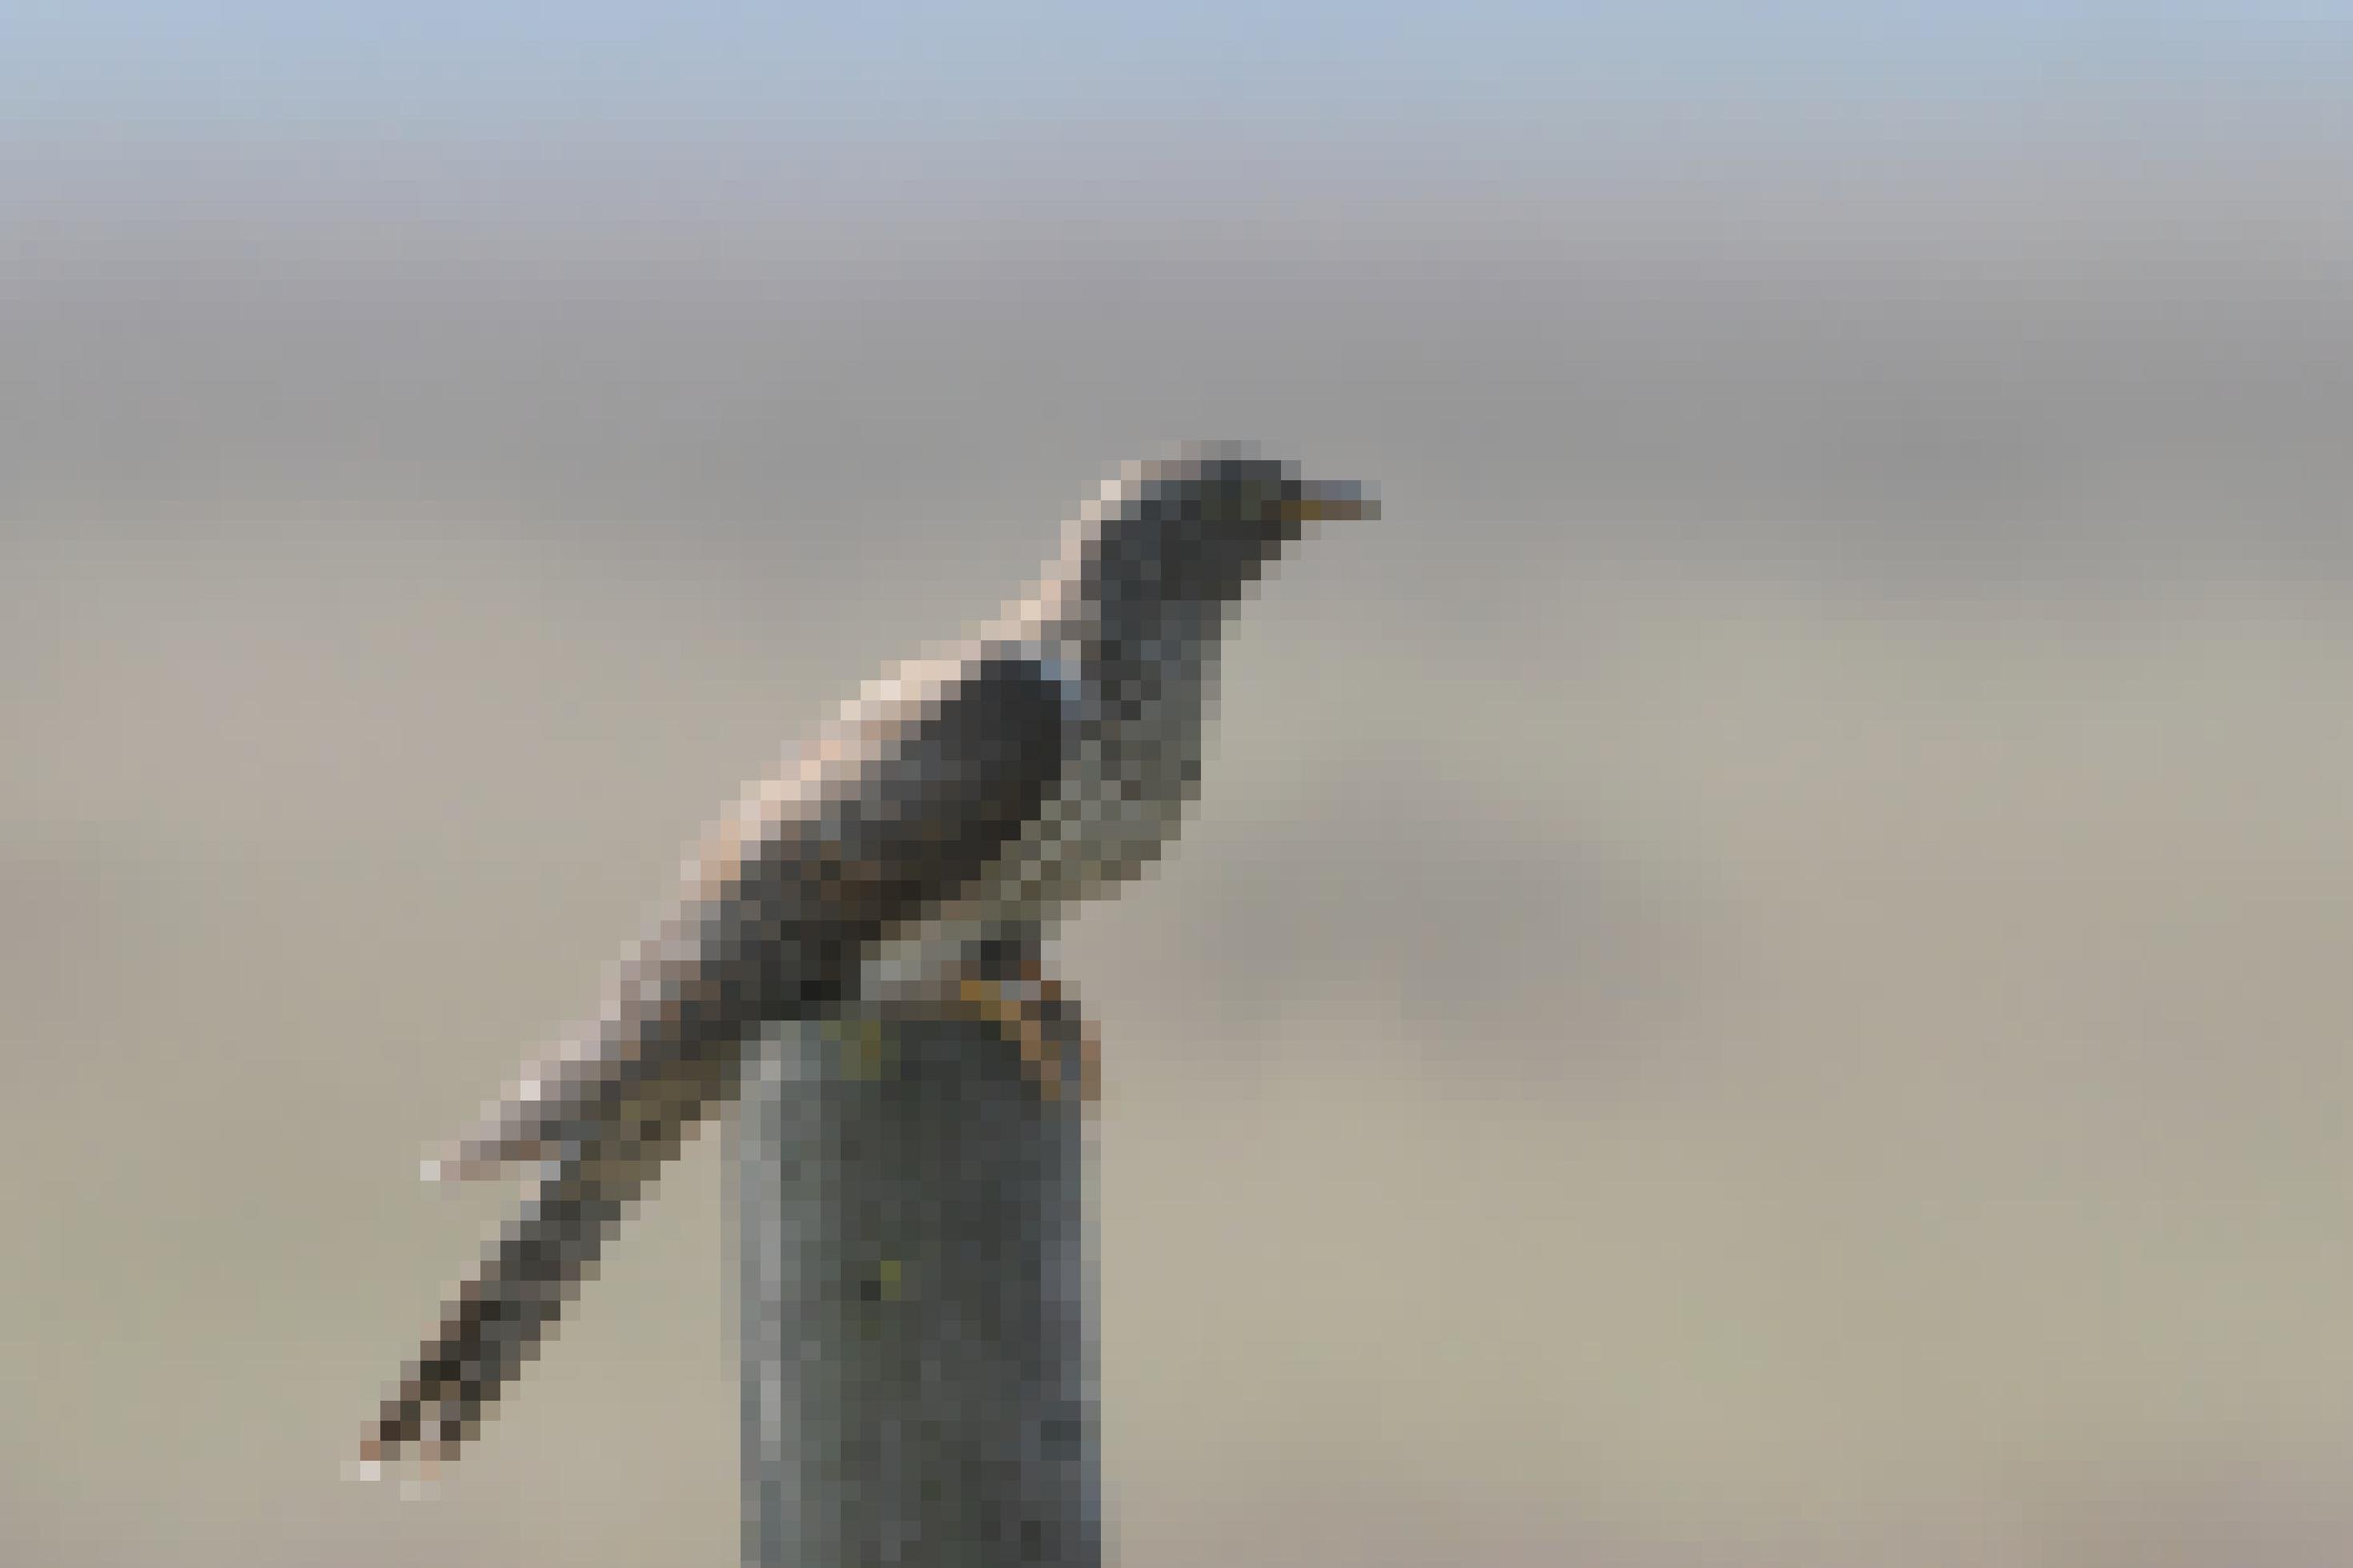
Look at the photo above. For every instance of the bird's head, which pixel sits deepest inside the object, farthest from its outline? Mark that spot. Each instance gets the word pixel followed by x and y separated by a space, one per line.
pixel 1192 532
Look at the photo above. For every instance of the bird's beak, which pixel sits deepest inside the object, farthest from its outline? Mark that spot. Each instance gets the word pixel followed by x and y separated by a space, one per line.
pixel 1330 500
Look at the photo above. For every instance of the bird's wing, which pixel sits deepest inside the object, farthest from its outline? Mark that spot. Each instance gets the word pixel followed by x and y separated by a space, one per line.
pixel 909 795
pixel 917 790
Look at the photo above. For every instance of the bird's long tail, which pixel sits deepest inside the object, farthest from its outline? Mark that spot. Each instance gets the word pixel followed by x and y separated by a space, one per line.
pixel 495 1323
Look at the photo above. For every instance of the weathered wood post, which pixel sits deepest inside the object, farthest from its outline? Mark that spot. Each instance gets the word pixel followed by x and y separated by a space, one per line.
pixel 917 1304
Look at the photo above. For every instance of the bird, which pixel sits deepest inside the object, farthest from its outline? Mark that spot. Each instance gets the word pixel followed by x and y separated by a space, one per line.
pixel 920 853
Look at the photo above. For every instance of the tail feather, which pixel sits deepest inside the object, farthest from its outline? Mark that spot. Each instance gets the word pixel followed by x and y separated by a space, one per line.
pixel 496 1321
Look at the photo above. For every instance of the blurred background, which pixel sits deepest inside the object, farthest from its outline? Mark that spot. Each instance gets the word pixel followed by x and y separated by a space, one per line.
pixel 1762 978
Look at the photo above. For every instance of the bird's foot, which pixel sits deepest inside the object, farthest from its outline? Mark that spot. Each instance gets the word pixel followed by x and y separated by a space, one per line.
pixel 1058 1043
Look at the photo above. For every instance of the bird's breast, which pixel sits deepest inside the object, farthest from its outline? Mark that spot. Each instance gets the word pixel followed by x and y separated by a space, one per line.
pixel 1119 801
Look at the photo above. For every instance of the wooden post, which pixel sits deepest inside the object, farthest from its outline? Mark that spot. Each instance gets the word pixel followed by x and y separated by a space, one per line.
pixel 917 1304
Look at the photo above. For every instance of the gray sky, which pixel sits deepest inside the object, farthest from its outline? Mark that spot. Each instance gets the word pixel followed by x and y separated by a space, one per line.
pixel 935 71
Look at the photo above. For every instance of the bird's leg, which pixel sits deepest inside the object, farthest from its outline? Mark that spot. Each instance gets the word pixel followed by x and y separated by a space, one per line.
pixel 1042 1016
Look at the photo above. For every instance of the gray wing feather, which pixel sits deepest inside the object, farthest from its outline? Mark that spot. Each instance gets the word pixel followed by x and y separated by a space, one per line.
pixel 909 803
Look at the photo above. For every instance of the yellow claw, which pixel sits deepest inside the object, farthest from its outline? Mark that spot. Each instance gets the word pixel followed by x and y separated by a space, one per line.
pixel 1019 1006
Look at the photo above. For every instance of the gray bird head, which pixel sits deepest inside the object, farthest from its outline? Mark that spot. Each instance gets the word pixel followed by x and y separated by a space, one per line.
pixel 1188 534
